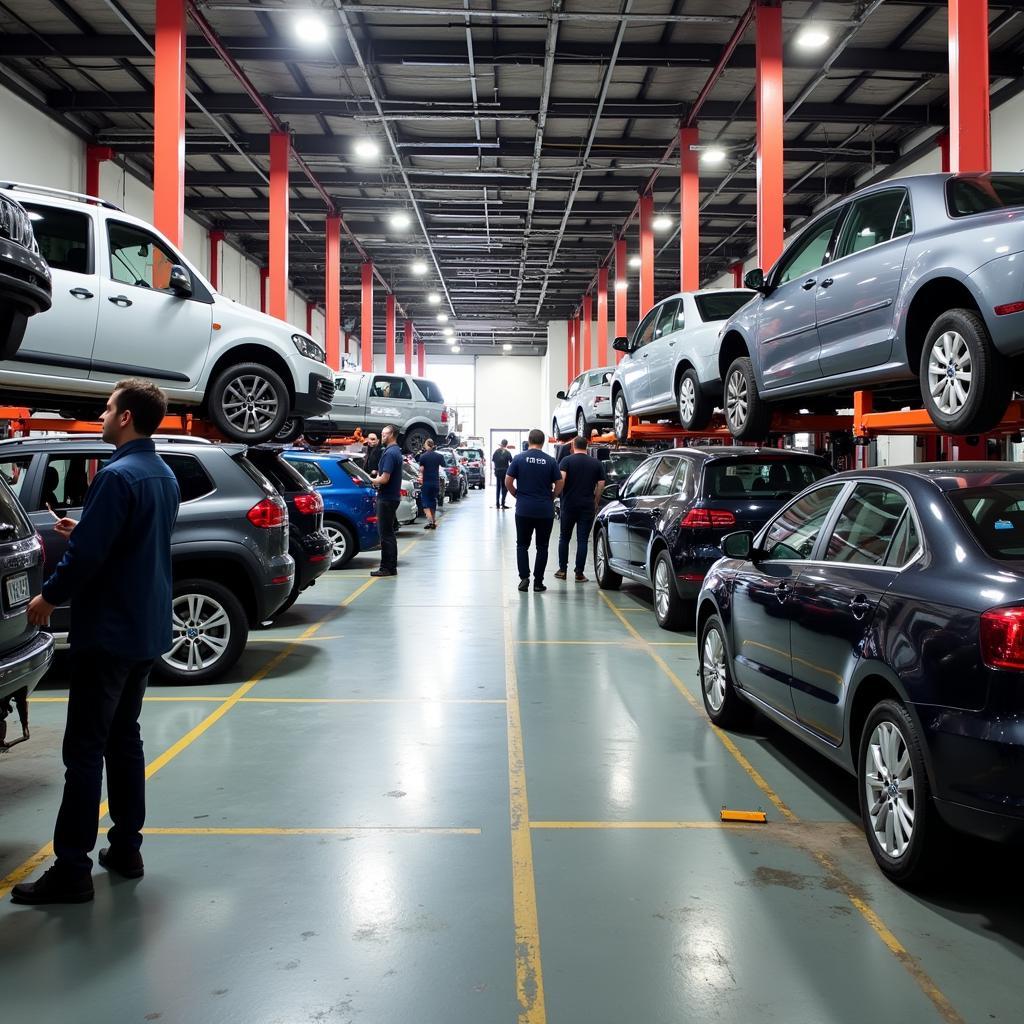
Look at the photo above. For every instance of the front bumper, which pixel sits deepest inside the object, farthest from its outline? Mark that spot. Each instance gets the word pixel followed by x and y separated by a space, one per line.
pixel 24 278
pixel 318 397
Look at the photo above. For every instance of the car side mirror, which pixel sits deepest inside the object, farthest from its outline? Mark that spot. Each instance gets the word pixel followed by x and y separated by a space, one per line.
pixel 180 281
pixel 560 395
pixel 754 280
pixel 621 345
pixel 738 545
pixel 611 492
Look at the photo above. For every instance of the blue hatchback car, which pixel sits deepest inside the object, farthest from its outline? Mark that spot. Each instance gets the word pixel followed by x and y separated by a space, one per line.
pixel 350 502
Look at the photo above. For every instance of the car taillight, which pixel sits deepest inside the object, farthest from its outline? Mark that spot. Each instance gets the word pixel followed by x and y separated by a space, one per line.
pixel 371 520
pixel 1002 638
pixel 707 519
pixel 268 513
pixel 42 551
pixel 599 398
pixel 309 504
pixel 454 470
pixel 404 493
pixel 444 415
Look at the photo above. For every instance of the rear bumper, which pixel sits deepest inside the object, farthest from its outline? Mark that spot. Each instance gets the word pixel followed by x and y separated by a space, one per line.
pixel 313 557
pixel 24 278
pixel 23 667
pixel 317 398
pixel 276 586
pixel 691 566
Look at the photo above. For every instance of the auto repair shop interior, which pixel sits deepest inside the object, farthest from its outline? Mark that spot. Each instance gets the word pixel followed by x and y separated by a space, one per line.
pixel 758 755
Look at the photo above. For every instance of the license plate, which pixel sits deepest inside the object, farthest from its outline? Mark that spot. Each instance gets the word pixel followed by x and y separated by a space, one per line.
pixel 17 589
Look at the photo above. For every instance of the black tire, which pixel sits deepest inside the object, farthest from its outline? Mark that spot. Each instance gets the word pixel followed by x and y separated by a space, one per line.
pixel 248 379
pixel 620 418
pixel 290 431
pixel 316 438
pixel 582 427
pixel 217 621
pixel 13 323
pixel 694 407
pixel 722 703
pixel 555 432
pixel 343 542
pixel 980 371
pixel 747 415
pixel 670 609
pixel 607 578
pixel 415 438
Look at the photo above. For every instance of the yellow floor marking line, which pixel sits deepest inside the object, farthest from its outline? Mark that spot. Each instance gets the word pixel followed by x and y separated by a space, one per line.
pixel 625 826
pixel 672 643
pixel 353 830
pixel 910 963
pixel 373 700
pixel 570 643
pixel 289 639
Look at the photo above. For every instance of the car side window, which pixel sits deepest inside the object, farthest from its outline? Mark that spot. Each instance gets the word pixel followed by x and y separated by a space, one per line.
pixel 793 534
pixel 67 479
pixel 875 219
pixel 574 388
pixel 662 480
pixel 667 319
pixel 645 332
pixel 139 258
pixel 638 479
pixel 64 237
pixel 15 472
pixel 905 543
pixel 390 387
pixel 866 526
pixel 810 250
pixel 312 473
pixel 193 480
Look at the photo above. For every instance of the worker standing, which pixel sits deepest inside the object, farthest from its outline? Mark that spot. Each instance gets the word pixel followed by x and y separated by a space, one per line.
pixel 583 483
pixel 534 480
pixel 501 460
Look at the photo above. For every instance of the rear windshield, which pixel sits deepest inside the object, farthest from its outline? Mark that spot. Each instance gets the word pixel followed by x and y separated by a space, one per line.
pixel 283 476
pixel 619 465
pixel 983 193
pixel 775 479
pixel 355 471
pixel 995 515
pixel 255 475
pixel 431 392
pixel 449 458
pixel 14 524
pixel 720 305
pixel 471 453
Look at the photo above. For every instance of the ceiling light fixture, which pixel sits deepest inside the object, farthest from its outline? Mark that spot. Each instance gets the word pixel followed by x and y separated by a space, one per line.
pixel 456 348
pixel 813 37
pixel 448 332
pixel 434 299
pixel 635 261
pixel 507 347
pixel 400 221
pixel 661 223
pixel 712 156
pixel 442 318
pixel 366 149
pixel 449 341
pixel 311 29
pixel 418 267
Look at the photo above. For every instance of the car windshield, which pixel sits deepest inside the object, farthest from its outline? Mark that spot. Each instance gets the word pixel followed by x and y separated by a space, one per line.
pixel 720 305
pixel 620 464
pixel 995 515
pixel 471 453
pixel 765 478
pixel 984 192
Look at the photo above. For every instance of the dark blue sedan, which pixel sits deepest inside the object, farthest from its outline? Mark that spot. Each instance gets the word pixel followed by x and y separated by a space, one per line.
pixel 879 617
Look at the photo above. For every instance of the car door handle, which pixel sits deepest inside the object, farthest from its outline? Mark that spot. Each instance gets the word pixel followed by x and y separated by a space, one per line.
pixel 120 300
pixel 860 606
pixel 81 293
pixel 809 283
pixel 782 592
pixel 827 283
pixel 671 343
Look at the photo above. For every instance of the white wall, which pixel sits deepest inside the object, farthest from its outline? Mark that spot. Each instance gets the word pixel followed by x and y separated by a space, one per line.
pixel 510 394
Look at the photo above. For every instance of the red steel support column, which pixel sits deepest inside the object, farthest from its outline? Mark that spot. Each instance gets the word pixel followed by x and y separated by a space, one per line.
pixel 969 122
pixel 646 254
pixel 310 307
pixel 769 132
pixel 689 211
pixel 942 141
pixel 216 237
pixel 389 335
pixel 737 275
pixel 421 359
pixel 264 273
pixel 579 342
pixel 621 285
pixel 169 120
pixel 588 331
pixel 407 332
pixel 602 316
pixel 94 156
pixel 332 284
pixel 366 306
pixel 570 351
pixel 280 151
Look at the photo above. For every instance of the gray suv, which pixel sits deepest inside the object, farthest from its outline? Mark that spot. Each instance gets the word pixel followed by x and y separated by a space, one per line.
pixel 229 549
pixel 915 279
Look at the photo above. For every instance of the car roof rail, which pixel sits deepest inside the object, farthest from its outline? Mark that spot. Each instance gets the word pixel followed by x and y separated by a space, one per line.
pixel 59 193
pixel 78 436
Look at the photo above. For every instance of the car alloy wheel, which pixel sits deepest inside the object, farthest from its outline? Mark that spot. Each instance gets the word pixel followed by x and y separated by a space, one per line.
pixel 950 372
pixel 620 417
pixel 662 595
pixel 890 790
pixel 250 403
pixel 712 670
pixel 339 543
pixel 737 400
pixel 200 633
pixel 687 400
pixel 581 424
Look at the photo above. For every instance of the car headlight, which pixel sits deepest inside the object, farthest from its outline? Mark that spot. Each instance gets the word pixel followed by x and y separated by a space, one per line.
pixel 309 348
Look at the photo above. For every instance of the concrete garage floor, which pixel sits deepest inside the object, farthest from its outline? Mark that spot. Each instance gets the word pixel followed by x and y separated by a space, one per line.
pixel 330 834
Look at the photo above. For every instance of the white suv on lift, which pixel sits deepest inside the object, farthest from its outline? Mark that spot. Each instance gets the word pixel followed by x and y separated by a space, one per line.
pixel 127 303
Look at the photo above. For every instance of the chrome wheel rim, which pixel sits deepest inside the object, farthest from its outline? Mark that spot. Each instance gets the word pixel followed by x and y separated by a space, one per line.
pixel 620 416
pixel 713 670
pixel 889 787
pixel 581 425
pixel 687 400
pixel 200 631
pixel 250 403
pixel 286 429
pixel 737 399
pixel 339 543
pixel 600 557
pixel 662 581
pixel 950 372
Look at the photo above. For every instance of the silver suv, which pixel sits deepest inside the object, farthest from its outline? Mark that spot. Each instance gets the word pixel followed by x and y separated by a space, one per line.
pixel 127 303
pixel 911 288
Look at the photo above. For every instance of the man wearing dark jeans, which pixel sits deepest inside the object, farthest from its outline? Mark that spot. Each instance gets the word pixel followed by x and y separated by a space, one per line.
pixel 583 482
pixel 116 572
pixel 534 480
pixel 501 460
pixel 388 482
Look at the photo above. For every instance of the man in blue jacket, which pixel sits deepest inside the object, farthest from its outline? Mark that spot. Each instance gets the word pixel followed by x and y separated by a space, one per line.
pixel 116 572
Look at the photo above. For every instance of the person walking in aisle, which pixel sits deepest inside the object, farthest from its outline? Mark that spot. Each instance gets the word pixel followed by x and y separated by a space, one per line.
pixel 430 466
pixel 372 452
pixel 501 460
pixel 583 482
pixel 116 572
pixel 534 480
pixel 388 482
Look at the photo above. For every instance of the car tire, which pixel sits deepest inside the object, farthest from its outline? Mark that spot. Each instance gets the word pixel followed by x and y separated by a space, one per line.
pixel 891 754
pixel 556 433
pixel 236 385
pixel 13 324
pixel 694 407
pixel 218 621
pixel 747 415
pixel 343 542
pixel 415 438
pixel 620 418
pixel 582 427
pixel 316 439
pixel 960 337
pixel 290 431
pixel 669 608
pixel 607 578
pixel 723 705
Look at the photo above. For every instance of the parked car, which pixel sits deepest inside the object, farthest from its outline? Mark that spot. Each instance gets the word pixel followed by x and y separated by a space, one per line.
pixel 229 548
pixel 350 501
pixel 665 525
pixel 618 464
pixel 912 279
pixel 586 403
pixel 25 651
pixel 473 460
pixel 25 282
pixel 308 543
pixel 126 302
pixel 671 364
pixel 370 401
pixel 458 478
pixel 879 617
pixel 407 507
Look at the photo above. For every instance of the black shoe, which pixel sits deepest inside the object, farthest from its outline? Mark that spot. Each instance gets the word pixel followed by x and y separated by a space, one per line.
pixel 127 863
pixel 504 506
pixel 524 585
pixel 55 886
pixel 561 574
pixel 539 587
pixel 384 572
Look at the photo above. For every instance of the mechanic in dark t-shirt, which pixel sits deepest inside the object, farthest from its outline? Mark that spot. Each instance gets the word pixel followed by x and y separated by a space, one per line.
pixel 430 466
pixel 388 482
pixel 584 480
pixel 534 481
pixel 501 460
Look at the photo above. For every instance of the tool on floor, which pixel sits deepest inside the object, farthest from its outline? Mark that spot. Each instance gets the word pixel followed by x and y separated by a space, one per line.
pixel 753 817
pixel 20 701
